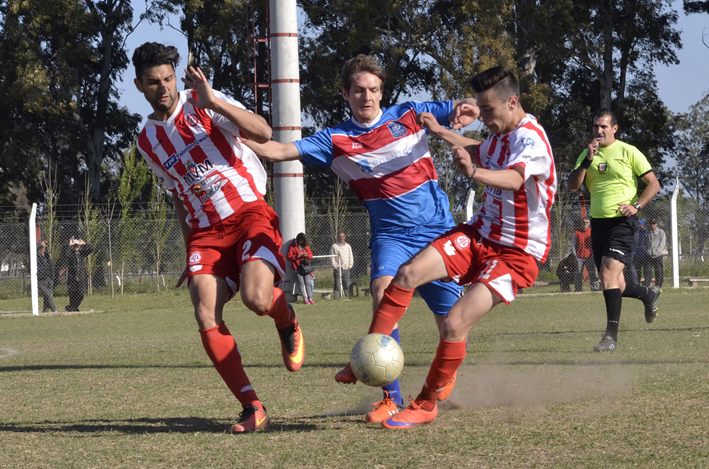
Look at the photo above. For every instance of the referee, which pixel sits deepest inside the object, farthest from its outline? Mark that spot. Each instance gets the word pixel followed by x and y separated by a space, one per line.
pixel 610 168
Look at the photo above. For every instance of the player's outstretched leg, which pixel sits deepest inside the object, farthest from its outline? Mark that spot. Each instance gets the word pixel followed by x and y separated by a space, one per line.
pixel 224 354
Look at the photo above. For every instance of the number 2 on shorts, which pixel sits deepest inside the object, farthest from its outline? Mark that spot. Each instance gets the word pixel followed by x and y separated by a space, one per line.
pixel 485 274
pixel 247 246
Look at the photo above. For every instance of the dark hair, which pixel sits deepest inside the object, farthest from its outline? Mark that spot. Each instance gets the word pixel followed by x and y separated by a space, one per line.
pixel 154 54
pixel 361 63
pixel 502 79
pixel 301 240
pixel 603 112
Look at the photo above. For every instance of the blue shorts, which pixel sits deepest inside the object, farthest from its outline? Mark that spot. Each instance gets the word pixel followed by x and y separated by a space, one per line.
pixel 389 251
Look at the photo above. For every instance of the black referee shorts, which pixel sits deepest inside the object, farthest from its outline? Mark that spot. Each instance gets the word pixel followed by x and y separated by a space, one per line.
pixel 614 237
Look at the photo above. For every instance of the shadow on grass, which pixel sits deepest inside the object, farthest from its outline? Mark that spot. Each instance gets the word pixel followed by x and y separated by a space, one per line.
pixel 150 426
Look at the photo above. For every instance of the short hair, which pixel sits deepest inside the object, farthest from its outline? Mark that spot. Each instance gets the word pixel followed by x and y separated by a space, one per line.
pixel 154 54
pixel 585 219
pixel 502 79
pixel 359 64
pixel 301 240
pixel 603 112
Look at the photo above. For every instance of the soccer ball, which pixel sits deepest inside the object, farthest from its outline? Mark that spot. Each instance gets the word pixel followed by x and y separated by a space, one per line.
pixel 377 360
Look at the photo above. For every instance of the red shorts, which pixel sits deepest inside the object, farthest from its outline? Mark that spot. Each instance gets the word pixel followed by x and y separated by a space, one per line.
pixel 249 234
pixel 470 258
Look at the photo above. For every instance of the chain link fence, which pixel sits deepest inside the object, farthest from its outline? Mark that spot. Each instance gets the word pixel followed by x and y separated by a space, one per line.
pixel 148 256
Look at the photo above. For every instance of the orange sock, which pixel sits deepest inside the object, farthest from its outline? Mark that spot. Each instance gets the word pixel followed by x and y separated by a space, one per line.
pixel 449 357
pixel 391 309
pixel 280 311
pixel 224 353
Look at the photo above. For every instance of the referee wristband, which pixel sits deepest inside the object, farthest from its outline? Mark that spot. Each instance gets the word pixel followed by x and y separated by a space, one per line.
pixel 586 163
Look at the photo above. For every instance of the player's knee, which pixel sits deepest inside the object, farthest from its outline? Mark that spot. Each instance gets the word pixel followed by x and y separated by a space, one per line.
pixel 407 277
pixel 258 301
pixel 452 329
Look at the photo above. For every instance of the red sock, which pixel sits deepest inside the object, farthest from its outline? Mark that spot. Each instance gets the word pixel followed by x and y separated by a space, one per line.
pixel 449 357
pixel 280 311
pixel 224 353
pixel 391 309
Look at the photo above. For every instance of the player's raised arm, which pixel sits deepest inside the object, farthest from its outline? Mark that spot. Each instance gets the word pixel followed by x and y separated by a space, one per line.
pixel 505 179
pixel 428 120
pixel 252 125
pixel 274 151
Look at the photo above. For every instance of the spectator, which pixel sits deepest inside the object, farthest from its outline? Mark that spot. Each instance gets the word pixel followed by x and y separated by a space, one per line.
pixel 655 242
pixel 566 272
pixel 641 265
pixel 76 272
pixel 300 255
pixel 584 256
pixel 45 277
pixel 342 264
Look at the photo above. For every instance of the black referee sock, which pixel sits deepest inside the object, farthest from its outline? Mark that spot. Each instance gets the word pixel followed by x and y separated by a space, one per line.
pixel 633 290
pixel 614 301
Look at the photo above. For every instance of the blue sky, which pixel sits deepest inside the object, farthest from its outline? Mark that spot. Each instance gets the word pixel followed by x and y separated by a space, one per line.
pixel 680 86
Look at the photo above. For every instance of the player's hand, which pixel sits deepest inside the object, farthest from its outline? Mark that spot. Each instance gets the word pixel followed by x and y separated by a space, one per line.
pixel 181 280
pixel 593 148
pixel 463 160
pixel 465 113
pixel 197 80
pixel 428 120
pixel 626 210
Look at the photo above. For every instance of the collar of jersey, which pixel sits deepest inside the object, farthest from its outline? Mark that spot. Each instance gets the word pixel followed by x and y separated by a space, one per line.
pixel 371 124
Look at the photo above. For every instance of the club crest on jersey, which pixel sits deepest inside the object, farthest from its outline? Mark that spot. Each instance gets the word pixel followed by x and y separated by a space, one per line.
pixel 365 166
pixel 462 241
pixel 195 257
pixel 397 130
pixel 192 119
pixel 528 142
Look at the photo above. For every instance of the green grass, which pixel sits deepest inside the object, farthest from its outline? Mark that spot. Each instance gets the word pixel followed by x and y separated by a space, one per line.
pixel 131 386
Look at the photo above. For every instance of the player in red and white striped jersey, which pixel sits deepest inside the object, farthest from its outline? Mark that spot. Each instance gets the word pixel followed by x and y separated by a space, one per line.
pixel 192 142
pixel 497 251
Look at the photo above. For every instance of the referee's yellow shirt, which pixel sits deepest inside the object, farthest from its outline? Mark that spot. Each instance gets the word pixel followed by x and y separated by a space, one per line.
pixel 612 177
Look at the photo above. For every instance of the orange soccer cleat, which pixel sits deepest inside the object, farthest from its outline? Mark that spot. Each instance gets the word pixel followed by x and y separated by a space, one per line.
pixel 413 416
pixel 292 345
pixel 345 375
pixel 447 389
pixel 252 419
pixel 383 410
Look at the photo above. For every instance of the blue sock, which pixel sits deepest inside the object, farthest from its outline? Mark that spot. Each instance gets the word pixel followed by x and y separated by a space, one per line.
pixel 393 388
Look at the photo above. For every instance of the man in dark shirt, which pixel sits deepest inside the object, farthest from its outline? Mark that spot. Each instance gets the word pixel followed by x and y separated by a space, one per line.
pixel 76 272
pixel 45 277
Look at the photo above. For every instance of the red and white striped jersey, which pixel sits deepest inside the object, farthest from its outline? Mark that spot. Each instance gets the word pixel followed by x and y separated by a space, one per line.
pixel 519 218
pixel 198 155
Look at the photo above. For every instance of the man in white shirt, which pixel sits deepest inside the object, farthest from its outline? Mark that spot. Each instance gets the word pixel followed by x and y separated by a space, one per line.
pixel 342 264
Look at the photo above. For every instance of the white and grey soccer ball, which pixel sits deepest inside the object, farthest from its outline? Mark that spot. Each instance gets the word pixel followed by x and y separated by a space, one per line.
pixel 377 360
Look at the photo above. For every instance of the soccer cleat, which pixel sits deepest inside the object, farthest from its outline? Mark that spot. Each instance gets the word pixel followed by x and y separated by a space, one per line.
pixel 292 346
pixel 651 306
pixel 383 410
pixel 410 417
pixel 252 419
pixel 447 389
pixel 607 344
pixel 345 375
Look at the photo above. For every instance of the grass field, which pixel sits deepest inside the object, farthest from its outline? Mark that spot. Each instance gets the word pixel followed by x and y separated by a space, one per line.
pixel 131 386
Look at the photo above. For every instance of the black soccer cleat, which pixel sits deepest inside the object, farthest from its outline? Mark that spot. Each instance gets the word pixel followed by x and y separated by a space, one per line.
pixel 651 306
pixel 607 344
